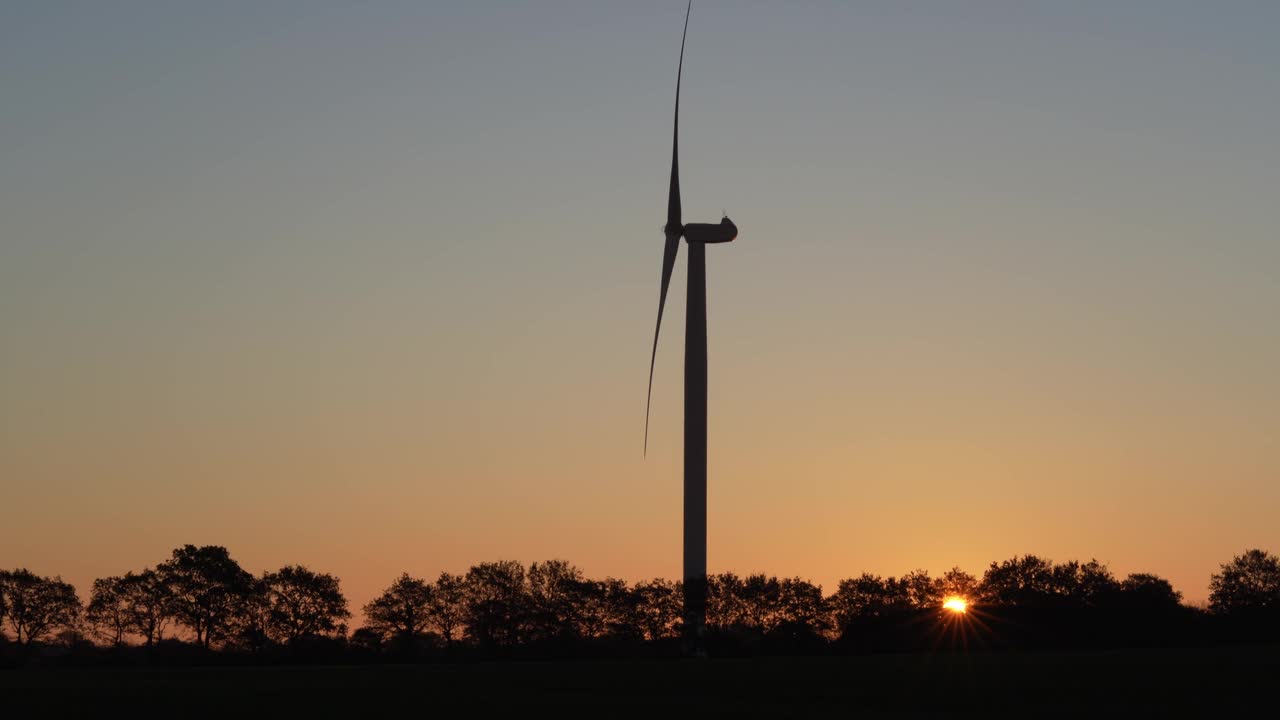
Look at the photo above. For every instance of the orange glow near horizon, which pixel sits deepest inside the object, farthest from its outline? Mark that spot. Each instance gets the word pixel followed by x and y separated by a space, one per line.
pixel 956 605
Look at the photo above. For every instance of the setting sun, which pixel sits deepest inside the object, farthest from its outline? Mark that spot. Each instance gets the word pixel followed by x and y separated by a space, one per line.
pixel 956 604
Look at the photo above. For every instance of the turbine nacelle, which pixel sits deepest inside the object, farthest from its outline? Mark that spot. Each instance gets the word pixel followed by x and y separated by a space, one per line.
pixel 721 232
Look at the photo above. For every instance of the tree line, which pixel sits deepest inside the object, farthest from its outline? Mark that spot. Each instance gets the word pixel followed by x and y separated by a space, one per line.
pixel 201 602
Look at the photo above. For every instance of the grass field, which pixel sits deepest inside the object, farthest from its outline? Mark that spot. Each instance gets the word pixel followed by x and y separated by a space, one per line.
pixel 1221 682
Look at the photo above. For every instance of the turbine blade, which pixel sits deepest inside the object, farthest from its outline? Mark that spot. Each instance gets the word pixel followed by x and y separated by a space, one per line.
pixel 674 228
pixel 668 264
pixel 673 199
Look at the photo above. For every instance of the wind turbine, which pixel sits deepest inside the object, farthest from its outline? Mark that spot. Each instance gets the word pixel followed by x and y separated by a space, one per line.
pixel 698 235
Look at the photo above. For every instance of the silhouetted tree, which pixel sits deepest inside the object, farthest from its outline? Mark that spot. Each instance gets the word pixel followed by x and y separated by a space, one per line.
pixel 601 608
pixel 1087 585
pixel 402 611
pixel 108 613
pixel 150 602
pixel 800 607
pixel 1250 583
pixel 609 610
pixel 303 603
pixel 555 590
pixel 867 596
pixel 447 609
pixel 35 606
pixel 958 583
pixel 366 640
pixel 209 591
pixel 250 623
pixel 1026 580
pixel 655 608
pixel 497 604
pixel 1095 584
pixel 554 606
pixel 726 606
pixel 1148 592
pixel 762 602
pixel 133 603
pixel 70 637
pixel 758 602
pixel 921 590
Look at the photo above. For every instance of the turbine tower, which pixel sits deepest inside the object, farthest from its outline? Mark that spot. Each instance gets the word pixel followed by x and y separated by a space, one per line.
pixel 698 236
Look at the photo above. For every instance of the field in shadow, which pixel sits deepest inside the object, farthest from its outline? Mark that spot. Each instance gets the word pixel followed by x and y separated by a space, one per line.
pixel 1117 683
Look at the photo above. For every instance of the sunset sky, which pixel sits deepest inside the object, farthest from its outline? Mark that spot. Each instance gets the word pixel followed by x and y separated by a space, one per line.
pixel 371 286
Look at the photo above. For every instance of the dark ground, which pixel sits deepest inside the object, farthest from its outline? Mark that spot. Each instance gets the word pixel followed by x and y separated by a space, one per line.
pixel 1218 682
